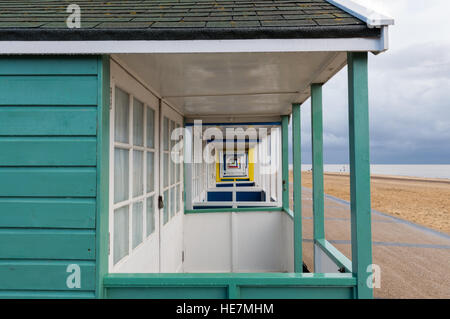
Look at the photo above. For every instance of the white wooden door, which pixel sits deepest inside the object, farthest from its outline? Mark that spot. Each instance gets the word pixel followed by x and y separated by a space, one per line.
pixel 171 188
pixel 134 179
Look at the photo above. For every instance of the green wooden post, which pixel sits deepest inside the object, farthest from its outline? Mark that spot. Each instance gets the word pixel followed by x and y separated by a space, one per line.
pixel 102 224
pixel 285 160
pixel 360 171
pixel 297 167
pixel 234 291
pixel 317 160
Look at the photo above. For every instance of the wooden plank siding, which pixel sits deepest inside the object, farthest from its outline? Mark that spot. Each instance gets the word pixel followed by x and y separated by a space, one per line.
pixel 49 113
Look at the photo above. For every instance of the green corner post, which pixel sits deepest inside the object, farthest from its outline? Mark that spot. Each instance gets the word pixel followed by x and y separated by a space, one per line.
pixel 317 160
pixel 285 160
pixel 297 167
pixel 358 115
pixel 102 223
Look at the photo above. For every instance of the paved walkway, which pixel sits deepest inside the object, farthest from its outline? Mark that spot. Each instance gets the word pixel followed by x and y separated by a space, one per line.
pixel 414 260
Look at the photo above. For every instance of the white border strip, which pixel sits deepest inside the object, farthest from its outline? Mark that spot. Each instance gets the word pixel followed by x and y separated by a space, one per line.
pixel 369 16
pixel 192 46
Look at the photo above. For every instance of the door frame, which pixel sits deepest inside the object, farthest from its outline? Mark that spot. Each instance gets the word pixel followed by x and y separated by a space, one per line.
pixel 121 78
pixel 169 262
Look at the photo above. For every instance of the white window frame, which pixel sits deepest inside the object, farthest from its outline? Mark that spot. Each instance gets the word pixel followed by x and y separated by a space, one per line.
pixel 120 79
pixel 172 116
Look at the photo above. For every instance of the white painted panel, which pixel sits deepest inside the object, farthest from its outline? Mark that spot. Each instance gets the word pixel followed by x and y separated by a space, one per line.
pixel 323 263
pixel 207 241
pixel 235 242
pixel 288 242
pixel 258 242
pixel 144 258
pixel 172 245
pixel 191 46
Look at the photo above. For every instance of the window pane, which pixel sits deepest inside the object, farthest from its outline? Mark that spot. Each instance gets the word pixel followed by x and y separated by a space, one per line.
pixel 172 127
pixel 172 201
pixel 166 134
pixel 138 223
pixel 121 186
pixel 195 187
pixel 121 116
pixel 120 233
pixel 138 173
pixel 138 123
pixel 150 172
pixel 178 198
pixel 180 153
pixel 172 169
pixel 150 128
pixel 166 169
pixel 166 207
pixel 150 216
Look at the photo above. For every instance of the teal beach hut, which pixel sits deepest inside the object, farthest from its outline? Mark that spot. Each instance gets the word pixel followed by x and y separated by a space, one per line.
pixel 144 147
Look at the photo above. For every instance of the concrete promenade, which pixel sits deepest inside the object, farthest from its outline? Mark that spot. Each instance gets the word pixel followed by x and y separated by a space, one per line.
pixel 414 260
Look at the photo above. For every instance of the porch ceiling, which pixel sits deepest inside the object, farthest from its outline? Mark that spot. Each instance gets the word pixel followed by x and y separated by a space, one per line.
pixel 233 84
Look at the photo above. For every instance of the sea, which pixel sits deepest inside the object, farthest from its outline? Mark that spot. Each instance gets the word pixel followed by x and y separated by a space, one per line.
pixel 424 170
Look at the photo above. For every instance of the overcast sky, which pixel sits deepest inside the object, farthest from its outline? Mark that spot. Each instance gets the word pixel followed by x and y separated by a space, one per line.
pixel 409 91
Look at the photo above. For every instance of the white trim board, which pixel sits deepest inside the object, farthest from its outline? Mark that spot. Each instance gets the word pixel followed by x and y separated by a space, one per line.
pixel 194 46
pixel 372 18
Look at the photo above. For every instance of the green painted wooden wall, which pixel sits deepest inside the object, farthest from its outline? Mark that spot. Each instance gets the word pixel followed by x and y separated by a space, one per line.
pixel 50 128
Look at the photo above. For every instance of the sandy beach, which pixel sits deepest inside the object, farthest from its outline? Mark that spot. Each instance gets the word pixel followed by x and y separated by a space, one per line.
pixel 419 200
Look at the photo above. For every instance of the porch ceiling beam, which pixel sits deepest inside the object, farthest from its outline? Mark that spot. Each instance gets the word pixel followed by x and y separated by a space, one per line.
pixel 231 94
pixel 233 119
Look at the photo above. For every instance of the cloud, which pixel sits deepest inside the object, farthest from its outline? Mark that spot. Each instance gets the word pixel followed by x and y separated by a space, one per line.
pixel 409 92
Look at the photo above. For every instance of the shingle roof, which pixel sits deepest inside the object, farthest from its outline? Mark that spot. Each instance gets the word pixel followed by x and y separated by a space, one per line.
pixel 178 19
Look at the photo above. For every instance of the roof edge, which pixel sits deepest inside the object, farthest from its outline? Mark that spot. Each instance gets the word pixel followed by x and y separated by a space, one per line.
pixel 306 32
pixel 372 18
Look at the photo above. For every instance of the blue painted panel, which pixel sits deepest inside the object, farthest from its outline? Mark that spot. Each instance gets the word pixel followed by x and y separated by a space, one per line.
pixel 251 184
pixel 249 196
pixel 220 196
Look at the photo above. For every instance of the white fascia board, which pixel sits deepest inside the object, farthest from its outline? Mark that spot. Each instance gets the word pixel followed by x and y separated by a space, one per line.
pixel 193 46
pixel 372 18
